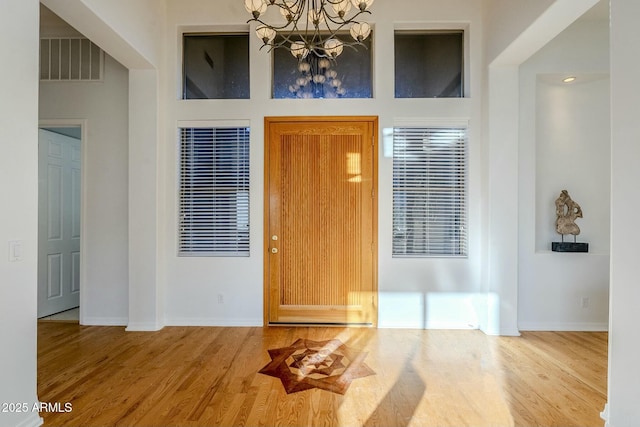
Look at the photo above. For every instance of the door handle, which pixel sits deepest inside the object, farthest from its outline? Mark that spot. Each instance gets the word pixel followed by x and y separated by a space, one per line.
pixel 274 250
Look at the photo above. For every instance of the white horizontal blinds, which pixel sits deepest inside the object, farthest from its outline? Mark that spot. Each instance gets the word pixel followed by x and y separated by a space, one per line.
pixel 214 191
pixel 429 191
pixel 70 59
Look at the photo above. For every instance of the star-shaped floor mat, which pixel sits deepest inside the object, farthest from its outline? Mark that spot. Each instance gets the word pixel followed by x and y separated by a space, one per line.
pixel 328 365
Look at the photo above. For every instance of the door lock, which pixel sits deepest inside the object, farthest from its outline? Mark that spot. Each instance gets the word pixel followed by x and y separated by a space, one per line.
pixel 274 250
pixel 274 237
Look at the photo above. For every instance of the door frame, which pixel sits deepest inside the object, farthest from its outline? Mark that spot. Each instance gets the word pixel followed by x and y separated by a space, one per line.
pixel 82 124
pixel 266 238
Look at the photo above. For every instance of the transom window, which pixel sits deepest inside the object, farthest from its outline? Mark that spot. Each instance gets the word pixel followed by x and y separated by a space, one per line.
pixel 348 76
pixel 429 64
pixel 216 66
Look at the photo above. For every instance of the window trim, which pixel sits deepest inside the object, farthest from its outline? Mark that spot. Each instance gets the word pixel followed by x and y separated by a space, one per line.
pixel 207 30
pixel 435 27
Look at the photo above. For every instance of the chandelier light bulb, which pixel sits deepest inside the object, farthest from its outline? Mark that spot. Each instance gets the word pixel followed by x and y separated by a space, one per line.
pixel 290 10
pixel 362 4
pixel 360 31
pixel 304 67
pixel 255 7
pixel 299 50
pixel 333 47
pixel 341 8
pixel 266 34
pixel 316 17
pixel 323 63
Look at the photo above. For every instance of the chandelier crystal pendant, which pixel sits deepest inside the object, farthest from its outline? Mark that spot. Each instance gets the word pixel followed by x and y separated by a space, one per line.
pixel 311 26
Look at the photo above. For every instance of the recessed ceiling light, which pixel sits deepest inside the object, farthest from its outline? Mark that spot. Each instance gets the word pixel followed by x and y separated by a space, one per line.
pixel 569 79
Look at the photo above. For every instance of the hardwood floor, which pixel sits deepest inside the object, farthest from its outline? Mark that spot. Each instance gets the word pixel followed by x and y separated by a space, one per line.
pixel 209 377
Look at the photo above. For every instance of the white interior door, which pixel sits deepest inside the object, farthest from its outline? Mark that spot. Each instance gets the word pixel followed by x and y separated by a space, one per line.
pixel 59 194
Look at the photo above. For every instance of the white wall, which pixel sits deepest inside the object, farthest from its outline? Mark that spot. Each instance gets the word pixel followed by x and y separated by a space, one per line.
pixel 19 215
pixel 624 345
pixel 139 22
pixel 413 292
pixel 130 32
pixel 128 29
pixel 529 29
pixel 104 106
pixel 565 144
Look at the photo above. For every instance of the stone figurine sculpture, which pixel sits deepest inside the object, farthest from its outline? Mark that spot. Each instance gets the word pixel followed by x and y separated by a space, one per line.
pixel 566 213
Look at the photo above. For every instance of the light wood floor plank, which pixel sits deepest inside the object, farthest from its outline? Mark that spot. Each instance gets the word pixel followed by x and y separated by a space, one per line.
pixel 183 376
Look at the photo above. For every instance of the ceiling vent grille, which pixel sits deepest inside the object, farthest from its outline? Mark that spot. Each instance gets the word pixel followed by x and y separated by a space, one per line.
pixel 70 59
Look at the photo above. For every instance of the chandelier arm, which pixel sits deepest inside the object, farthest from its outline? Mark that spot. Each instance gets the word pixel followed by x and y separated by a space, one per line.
pixel 293 8
pixel 286 38
pixel 261 22
pixel 356 14
pixel 342 23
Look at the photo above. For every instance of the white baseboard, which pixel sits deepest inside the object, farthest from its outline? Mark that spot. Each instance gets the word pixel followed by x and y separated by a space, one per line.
pixel 222 322
pixel 429 325
pixel 565 327
pixel 605 415
pixel 33 419
pixel 187 321
pixel 501 332
pixel 143 327
pixel 104 321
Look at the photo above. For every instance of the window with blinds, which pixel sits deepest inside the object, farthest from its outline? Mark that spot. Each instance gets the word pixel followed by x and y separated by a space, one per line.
pixel 429 192
pixel 214 191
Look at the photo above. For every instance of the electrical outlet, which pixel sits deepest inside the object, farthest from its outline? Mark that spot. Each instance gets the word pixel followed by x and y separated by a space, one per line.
pixel 220 299
pixel 585 302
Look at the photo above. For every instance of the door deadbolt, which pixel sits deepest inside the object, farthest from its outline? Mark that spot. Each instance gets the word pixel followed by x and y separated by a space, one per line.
pixel 274 237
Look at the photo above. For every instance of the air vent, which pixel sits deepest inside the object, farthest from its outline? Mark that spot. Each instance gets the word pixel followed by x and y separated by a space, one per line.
pixel 70 59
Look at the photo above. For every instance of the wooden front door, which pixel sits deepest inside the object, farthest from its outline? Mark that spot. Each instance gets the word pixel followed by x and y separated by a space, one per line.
pixel 321 220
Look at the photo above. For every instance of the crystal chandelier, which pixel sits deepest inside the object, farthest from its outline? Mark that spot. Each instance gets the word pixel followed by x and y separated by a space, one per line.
pixel 311 26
